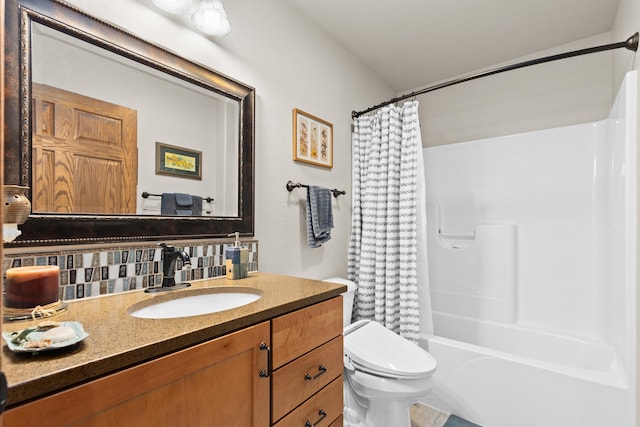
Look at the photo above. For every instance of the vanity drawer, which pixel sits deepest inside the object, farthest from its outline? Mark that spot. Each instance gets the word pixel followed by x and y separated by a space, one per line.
pixel 339 422
pixel 297 333
pixel 321 409
pixel 297 381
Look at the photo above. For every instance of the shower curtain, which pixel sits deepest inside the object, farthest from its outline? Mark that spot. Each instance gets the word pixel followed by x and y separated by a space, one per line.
pixel 383 249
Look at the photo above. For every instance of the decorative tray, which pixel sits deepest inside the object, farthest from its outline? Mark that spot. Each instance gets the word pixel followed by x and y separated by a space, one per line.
pixel 29 314
pixel 37 334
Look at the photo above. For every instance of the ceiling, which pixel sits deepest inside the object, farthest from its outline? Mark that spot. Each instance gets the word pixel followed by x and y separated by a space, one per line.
pixel 413 43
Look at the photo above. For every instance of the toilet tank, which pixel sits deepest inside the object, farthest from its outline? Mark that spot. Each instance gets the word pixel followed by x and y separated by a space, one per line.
pixel 347 297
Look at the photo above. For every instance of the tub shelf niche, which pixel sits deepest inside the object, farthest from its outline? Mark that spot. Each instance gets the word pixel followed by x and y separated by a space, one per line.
pixel 475 274
pixel 456 240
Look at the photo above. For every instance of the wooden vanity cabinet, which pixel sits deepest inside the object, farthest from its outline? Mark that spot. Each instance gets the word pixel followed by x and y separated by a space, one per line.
pixel 217 383
pixel 224 382
pixel 307 366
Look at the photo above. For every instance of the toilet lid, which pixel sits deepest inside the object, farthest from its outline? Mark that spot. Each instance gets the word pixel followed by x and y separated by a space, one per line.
pixel 375 349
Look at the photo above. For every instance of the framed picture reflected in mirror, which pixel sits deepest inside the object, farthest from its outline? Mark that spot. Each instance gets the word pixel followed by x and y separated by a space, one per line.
pixel 178 161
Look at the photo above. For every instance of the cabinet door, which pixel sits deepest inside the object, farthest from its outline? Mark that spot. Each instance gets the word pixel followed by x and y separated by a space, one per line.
pixel 216 383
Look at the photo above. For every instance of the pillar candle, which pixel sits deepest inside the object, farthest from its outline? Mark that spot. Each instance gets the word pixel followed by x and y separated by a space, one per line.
pixel 27 287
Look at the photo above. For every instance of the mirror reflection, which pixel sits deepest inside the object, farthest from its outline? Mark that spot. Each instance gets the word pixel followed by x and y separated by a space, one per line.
pixel 111 135
pixel 95 117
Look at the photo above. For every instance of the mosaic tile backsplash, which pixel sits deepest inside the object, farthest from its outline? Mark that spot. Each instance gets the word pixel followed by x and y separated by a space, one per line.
pixel 94 272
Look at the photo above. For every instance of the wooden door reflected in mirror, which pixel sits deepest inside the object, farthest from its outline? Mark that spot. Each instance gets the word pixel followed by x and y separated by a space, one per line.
pixel 85 156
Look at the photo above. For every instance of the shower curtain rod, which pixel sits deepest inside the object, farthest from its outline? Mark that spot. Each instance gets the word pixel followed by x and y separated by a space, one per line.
pixel 631 43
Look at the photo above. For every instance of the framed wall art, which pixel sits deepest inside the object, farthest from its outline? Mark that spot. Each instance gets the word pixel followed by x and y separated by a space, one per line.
pixel 178 161
pixel 312 139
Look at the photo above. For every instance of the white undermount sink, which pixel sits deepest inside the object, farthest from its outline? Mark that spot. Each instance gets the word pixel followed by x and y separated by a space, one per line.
pixel 194 303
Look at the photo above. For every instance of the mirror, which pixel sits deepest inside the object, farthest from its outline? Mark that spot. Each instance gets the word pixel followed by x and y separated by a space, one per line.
pixel 99 123
pixel 146 112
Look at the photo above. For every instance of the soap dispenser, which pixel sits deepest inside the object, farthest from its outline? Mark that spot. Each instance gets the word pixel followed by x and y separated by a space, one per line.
pixel 237 259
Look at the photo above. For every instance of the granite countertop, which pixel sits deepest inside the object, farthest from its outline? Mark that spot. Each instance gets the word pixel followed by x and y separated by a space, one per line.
pixel 118 340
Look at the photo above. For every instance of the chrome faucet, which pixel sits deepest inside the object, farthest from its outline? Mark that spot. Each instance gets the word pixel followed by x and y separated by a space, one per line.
pixel 169 257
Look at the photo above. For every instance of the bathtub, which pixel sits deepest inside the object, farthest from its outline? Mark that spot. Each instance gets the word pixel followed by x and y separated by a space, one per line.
pixel 499 375
pixel 533 274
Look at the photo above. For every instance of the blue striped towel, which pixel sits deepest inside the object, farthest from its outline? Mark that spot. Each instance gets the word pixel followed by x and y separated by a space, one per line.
pixel 319 215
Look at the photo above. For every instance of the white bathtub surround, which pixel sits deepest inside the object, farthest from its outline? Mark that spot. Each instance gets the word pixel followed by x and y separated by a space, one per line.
pixel 383 247
pixel 533 274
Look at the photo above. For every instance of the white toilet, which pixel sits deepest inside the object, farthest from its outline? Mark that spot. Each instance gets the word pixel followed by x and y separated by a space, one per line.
pixel 384 374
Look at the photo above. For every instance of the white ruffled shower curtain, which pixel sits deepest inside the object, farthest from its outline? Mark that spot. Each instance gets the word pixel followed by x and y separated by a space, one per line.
pixel 387 257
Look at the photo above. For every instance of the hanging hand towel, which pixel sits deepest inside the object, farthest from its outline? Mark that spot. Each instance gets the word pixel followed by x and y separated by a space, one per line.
pixel 319 215
pixel 168 204
pixel 184 204
pixel 180 204
pixel 196 206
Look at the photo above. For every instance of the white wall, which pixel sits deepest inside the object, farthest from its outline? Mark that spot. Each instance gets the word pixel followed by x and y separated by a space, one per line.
pixel 627 22
pixel 544 96
pixel 292 64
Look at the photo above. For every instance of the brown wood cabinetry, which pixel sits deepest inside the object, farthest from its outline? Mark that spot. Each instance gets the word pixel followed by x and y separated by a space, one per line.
pixel 308 366
pixel 339 422
pixel 216 383
pixel 224 382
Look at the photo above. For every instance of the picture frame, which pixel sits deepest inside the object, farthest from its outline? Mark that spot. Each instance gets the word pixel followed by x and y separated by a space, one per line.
pixel 178 161
pixel 312 139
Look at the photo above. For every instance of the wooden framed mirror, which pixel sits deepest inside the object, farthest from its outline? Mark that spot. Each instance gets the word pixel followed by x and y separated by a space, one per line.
pixel 78 92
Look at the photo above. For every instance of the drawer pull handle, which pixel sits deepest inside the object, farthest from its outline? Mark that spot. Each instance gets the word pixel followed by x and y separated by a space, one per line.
pixel 321 370
pixel 322 414
pixel 265 373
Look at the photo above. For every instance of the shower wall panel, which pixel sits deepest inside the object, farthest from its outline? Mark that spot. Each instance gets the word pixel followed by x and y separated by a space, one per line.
pixel 546 186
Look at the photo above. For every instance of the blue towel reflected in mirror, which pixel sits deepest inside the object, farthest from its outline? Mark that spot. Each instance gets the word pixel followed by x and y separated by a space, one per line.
pixel 181 204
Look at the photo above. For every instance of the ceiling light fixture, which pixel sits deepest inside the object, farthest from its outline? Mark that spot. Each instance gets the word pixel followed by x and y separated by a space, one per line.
pixel 176 7
pixel 211 19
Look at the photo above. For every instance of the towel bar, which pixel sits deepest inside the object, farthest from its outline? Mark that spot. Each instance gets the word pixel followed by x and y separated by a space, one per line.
pixel 291 185
pixel 146 195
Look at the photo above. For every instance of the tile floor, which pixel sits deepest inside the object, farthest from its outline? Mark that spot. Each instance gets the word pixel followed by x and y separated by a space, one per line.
pixel 425 416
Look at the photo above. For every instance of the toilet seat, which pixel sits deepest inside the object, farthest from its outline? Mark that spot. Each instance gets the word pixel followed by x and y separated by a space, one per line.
pixel 372 348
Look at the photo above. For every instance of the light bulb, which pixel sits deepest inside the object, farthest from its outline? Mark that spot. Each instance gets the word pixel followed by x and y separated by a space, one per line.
pixel 211 19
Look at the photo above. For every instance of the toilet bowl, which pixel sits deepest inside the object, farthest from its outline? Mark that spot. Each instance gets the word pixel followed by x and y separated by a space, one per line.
pixel 384 374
